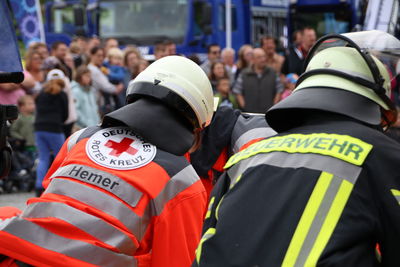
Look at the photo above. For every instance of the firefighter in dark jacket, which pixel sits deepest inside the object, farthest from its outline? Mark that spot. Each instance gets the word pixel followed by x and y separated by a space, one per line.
pixel 324 191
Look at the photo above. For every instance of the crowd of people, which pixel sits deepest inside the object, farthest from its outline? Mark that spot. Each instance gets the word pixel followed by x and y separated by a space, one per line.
pixel 92 80
pixel 308 178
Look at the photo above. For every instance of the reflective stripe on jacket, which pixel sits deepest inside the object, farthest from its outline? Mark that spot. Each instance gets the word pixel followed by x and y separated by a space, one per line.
pixel 93 215
pixel 323 194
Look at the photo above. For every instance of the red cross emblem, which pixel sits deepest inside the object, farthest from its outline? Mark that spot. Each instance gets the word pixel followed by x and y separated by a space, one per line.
pixel 119 148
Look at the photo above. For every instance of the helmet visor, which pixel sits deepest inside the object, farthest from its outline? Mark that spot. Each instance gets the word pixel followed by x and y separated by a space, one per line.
pixel 383 46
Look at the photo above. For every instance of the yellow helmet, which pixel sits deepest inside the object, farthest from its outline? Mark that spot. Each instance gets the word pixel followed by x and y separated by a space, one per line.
pixel 346 74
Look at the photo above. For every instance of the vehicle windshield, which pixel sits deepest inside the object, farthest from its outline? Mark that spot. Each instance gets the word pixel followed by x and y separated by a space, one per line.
pixel 143 21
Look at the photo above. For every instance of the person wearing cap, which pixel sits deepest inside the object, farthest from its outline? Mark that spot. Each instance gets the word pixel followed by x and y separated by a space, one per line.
pixel 324 191
pixel 51 112
pixel 122 193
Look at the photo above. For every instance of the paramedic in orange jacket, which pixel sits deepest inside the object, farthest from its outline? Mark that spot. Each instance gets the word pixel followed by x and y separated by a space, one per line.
pixel 122 194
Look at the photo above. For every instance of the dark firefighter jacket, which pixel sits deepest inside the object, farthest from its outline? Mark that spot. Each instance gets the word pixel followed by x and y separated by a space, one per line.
pixel 322 194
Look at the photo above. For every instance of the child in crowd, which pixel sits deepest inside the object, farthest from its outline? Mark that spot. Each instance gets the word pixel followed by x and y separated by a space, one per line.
pixel 51 112
pixel 226 98
pixel 290 84
pixel 116 70
pixel 21 130
pixel 85 99
pixel 116 74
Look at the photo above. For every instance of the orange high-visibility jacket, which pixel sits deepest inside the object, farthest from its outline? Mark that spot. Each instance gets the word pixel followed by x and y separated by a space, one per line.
pixel 111 199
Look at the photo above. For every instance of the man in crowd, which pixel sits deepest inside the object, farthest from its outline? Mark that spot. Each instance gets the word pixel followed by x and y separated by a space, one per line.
pixel 213 55
pixel 258 87
pixel 296 55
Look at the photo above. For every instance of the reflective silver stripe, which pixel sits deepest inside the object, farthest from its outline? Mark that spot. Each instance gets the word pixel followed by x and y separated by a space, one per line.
pixel 178 183
pixel 73 248
pixel 101 201
pixel 318 221
pixel 104 180
pixel 251 135
pixel 73 138
pixel 84 221
pixel 249 127
pixel 311 161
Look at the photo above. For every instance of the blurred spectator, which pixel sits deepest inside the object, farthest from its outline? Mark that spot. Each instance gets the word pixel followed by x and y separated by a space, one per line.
pixel 194 58
pixel 290 84
pixel 78 49
pixel 295 57
pixel 116 73
pixel 22 128
pixel 228 58
pixel 213 55
pixel 93 41
pixel 59 50
pixel 274 61
pixel 132 59
pixel 170 46
pixel 143 64
pixel 11 92
pixel 110 43
pixel 100 81
pixel 224 94
pixel 69 61
pixel 85 99
pixel 258 86
pixel 160 51
pixel 116 70
pixel 41 48
pixel 51 112
pixel 33 65
pixel 217 71
pixel 245 58
pixel 296 38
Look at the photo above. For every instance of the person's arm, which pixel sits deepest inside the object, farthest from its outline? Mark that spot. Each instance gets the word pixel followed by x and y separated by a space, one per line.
pixel 15 130
pixel 9 86
pixel 100 81
pixel 278 89
pixel 177 229
pixel 29 81
pixel 64 107
pixel 238 91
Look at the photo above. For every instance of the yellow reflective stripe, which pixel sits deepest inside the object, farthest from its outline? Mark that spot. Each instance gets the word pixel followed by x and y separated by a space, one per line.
pixel 209 233
pixel 306 219
pixel 396 194
pixel 234 182
pixel 217 209
pixel 344 147
pixel 208 214
pixel 330 222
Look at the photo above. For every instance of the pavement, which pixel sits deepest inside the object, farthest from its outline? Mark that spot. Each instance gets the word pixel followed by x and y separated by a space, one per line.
pixel 15 199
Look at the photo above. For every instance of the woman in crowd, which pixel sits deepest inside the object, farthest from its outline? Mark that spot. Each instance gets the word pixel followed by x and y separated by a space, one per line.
pixel 100 81
pixel 245 58
pixel 217 71
pixel 33 65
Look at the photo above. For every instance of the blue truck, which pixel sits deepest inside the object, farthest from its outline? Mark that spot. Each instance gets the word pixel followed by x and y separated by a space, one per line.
pixel 194 24
pixel 191 24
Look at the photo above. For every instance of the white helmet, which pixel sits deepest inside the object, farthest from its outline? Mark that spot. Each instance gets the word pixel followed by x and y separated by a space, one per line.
pixel 179 83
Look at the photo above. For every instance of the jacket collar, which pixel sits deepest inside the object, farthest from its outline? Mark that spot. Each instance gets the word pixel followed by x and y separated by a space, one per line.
pixel 156 123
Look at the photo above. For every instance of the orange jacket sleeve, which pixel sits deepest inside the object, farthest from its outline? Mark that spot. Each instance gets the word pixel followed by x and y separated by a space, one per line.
pixel 177 230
